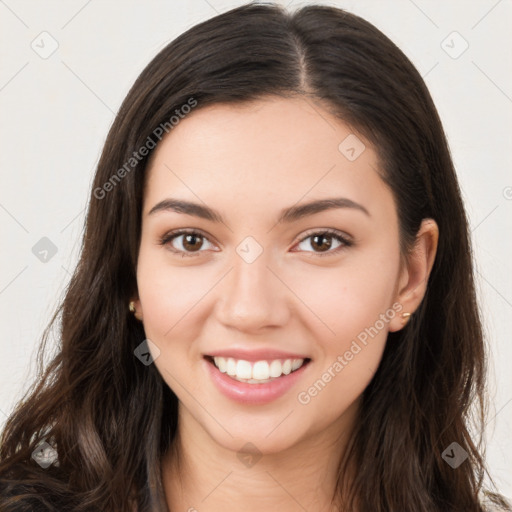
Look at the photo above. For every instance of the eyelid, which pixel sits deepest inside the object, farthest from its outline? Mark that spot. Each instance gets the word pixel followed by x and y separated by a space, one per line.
pixel 346 240
pixel 326 231
pixel 171 235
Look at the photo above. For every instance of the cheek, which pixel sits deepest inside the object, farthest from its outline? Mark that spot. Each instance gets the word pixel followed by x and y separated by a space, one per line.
pixel 355 302
pixel 350 298
pixel 328 396
pixel 171 297
pixel 170 294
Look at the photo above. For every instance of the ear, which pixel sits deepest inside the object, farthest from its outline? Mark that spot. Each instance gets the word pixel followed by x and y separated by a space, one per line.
pixel 413 279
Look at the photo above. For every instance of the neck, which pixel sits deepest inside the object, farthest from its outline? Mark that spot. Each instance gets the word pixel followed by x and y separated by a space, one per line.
pixel 201 475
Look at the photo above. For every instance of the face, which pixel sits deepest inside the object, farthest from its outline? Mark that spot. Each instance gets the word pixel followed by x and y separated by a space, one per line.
pixel 295 303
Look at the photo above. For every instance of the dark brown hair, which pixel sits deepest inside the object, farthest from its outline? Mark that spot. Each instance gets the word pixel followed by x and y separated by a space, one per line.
pixel 111 418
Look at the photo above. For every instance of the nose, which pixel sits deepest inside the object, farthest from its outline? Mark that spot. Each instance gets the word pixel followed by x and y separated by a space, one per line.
pixel 252 296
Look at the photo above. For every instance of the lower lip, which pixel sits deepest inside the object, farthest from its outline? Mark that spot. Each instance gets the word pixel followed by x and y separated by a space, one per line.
pixel 253 393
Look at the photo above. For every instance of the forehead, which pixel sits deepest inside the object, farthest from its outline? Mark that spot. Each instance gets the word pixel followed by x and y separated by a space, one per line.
pixel 269 151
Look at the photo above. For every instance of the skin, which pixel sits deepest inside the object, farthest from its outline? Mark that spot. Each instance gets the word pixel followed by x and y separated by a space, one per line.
pixel 248 162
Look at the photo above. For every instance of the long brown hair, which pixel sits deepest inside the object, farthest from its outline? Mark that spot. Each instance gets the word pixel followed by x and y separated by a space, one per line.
pixel 111 418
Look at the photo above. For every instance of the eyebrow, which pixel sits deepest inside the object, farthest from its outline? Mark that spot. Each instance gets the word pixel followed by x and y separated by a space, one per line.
pixel 287 215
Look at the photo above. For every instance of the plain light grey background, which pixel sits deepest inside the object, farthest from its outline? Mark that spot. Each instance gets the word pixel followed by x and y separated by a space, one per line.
pixel 66 67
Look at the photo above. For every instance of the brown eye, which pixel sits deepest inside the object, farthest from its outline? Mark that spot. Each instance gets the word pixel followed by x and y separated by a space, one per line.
pixel 186 243
pixel 191 242
pixel 322 241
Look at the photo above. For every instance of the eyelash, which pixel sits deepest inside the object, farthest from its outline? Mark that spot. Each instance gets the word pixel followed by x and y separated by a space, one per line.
pixel 168 237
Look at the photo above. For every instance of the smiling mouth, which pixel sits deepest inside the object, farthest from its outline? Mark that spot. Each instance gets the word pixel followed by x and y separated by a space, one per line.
pixel 256 372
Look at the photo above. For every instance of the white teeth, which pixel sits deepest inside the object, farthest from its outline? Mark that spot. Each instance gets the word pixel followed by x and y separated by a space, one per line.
pixel 275 369
pixel 258 372
pixel 243 369
pixel 261 370
pixel 221 364
pixel 230 366
pixel 296 364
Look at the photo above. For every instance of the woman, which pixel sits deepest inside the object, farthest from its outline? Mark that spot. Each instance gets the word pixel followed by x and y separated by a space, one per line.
pixel 217 350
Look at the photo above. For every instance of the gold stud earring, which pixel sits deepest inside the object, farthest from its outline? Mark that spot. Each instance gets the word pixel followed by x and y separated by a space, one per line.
pixel 405 317
pixel 131 307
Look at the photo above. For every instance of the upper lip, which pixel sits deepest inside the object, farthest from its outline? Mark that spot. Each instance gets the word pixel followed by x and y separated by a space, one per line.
pixel 255 354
